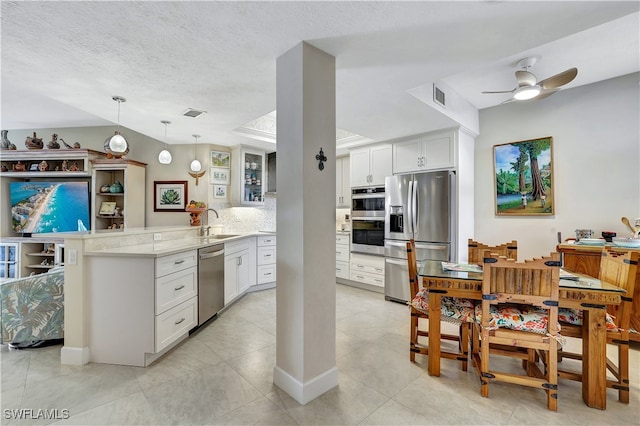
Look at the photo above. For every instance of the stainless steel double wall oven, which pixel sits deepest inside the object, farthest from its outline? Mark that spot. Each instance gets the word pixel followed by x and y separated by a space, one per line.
pixel 367 220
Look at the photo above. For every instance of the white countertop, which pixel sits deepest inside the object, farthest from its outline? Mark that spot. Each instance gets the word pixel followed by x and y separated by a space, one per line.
pixel 164 248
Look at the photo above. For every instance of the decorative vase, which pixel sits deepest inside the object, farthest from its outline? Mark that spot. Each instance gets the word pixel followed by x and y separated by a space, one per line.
pixel 105 188
pixel 116 188
pixel 5 143
pixel 34 142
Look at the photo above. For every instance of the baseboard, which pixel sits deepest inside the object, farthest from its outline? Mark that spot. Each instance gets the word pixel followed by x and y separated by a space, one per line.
pixel 305 392
pixel 360 285
pixel 74 356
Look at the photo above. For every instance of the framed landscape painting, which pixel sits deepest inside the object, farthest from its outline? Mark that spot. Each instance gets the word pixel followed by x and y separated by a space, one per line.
pixel 220 159
pixel 169 195
pixel 524 178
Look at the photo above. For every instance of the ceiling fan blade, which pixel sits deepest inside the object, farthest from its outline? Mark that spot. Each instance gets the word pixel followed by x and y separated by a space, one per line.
pixel 546 93
pixel 503 91
pixel 507 101
pixel 559 79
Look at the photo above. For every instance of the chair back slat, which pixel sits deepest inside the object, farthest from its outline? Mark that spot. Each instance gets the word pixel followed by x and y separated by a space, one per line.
pixel 412 267
pixel 620 269
pixel 531 278
pixel 476 251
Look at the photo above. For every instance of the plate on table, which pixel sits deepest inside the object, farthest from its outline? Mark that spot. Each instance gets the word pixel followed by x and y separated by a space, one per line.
pixel 592 241
pixel 626 242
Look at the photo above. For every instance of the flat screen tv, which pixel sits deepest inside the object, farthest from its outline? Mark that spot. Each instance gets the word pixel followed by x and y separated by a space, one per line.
pixel 49 206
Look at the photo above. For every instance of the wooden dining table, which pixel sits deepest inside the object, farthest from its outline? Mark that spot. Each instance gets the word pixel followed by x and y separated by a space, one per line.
pixel 586 293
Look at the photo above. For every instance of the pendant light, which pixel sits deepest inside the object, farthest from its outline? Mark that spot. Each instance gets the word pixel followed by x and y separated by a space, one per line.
pixel 165 156
pixel 196 166
pixel 117 146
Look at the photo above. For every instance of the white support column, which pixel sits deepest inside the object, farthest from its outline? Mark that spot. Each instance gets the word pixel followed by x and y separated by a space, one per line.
pixel 306 290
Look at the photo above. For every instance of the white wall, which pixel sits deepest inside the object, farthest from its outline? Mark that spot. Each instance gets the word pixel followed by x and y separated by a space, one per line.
pixel 146 149
pixel 596 163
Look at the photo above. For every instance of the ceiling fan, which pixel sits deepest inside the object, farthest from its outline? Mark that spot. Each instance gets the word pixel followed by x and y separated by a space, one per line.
pixel 528 85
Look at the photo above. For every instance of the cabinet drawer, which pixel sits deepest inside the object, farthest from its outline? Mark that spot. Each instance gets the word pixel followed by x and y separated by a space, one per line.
pixel 342 270
pixel 370 269
pixel 266 274
pixel 367 278
pixel 342 239
pixel 235 246
pixel 266 240
pixel 342 253
pixel 266 255
pixel 173 289
pixel 176 262
pixel 176 322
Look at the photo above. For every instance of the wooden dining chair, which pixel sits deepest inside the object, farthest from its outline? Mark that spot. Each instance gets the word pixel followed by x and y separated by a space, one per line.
pixel 451 311
pixel 619 269
pixel 519 309
pixel 477 249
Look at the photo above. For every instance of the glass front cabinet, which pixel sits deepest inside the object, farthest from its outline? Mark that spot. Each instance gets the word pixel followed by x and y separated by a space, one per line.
pixel 250 179
pixel 9 256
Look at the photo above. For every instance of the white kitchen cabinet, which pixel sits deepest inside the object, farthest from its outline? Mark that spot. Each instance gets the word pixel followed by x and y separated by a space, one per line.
pixel 431 151
pixel 369 166
pixel 343 185
pixel 247 177
pixel 367 269
pixel 266 259
pixel 9 260
pixel 343 255
pixel 139 307
pixel 236 269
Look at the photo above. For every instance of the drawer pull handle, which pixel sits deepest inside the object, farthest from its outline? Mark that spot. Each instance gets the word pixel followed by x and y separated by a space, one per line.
pixel 268 273
pixel 379 269
pixel 180 321
pixel 360 266
pixel 360 276
pixel 179 288
pixel 178 262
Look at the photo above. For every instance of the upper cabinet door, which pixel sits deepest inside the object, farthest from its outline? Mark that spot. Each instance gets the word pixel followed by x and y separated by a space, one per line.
pixel 343 186
pixel 439 152
pixel 380 164
pixel 407 155
pixel 359 170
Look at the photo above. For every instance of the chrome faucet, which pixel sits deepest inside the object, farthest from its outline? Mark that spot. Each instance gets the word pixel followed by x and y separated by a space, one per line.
pixel 205 230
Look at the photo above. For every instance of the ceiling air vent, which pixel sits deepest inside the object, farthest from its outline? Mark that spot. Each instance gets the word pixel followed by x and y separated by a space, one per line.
pixel 438 95
pixel 193 113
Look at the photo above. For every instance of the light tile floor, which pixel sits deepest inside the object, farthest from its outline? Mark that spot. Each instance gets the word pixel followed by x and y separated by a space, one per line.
pixel 222 375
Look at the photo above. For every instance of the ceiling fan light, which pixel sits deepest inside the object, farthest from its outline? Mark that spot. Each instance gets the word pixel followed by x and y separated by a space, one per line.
pixel 165 157
pixel 526 92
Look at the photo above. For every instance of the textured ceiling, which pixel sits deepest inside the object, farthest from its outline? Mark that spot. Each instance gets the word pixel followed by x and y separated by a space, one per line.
pixel 63 61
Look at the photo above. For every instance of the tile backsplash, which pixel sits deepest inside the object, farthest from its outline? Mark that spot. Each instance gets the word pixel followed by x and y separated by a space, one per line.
pixel 246 219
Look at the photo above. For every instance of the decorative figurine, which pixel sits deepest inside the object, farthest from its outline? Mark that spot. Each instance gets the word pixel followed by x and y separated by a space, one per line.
pixel 5 143
pixel 34 142
pixel 43 166
pixel 76 145
pixel 53 143
pixel 65 165
pixel 4 168
pixel 66 145
pixel 74 167
pixel 19 167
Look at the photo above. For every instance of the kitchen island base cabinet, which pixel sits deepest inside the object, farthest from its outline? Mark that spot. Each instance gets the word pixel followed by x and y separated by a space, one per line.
pixel 139 307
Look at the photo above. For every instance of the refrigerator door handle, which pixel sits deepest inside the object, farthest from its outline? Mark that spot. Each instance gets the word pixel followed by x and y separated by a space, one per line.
pixel 409 206
pixel 431 246
pixel 414 207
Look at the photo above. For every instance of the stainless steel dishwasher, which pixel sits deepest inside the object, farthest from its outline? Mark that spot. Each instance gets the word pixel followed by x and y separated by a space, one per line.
pixel 210 282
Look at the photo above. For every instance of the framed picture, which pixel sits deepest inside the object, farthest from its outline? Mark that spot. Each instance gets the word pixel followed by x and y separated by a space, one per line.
pixel 220 191
pixel 108 208
pixel 220 159
pixel 169 195
pixel 219 176
pixel 523 178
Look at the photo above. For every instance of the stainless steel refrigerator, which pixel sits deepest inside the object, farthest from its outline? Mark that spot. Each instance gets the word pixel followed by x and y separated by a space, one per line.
pixel 419 206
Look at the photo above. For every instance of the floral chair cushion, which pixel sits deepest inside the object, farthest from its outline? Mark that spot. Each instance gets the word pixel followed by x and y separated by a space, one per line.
pixel 516 317
pixel 452 310
pixel 33 308
pixel 574 317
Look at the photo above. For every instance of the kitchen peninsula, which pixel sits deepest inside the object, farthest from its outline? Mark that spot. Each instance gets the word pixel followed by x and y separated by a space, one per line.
pixel 131 296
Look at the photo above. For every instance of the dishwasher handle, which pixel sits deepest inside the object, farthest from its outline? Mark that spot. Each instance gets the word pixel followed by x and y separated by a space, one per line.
pixel 212 254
